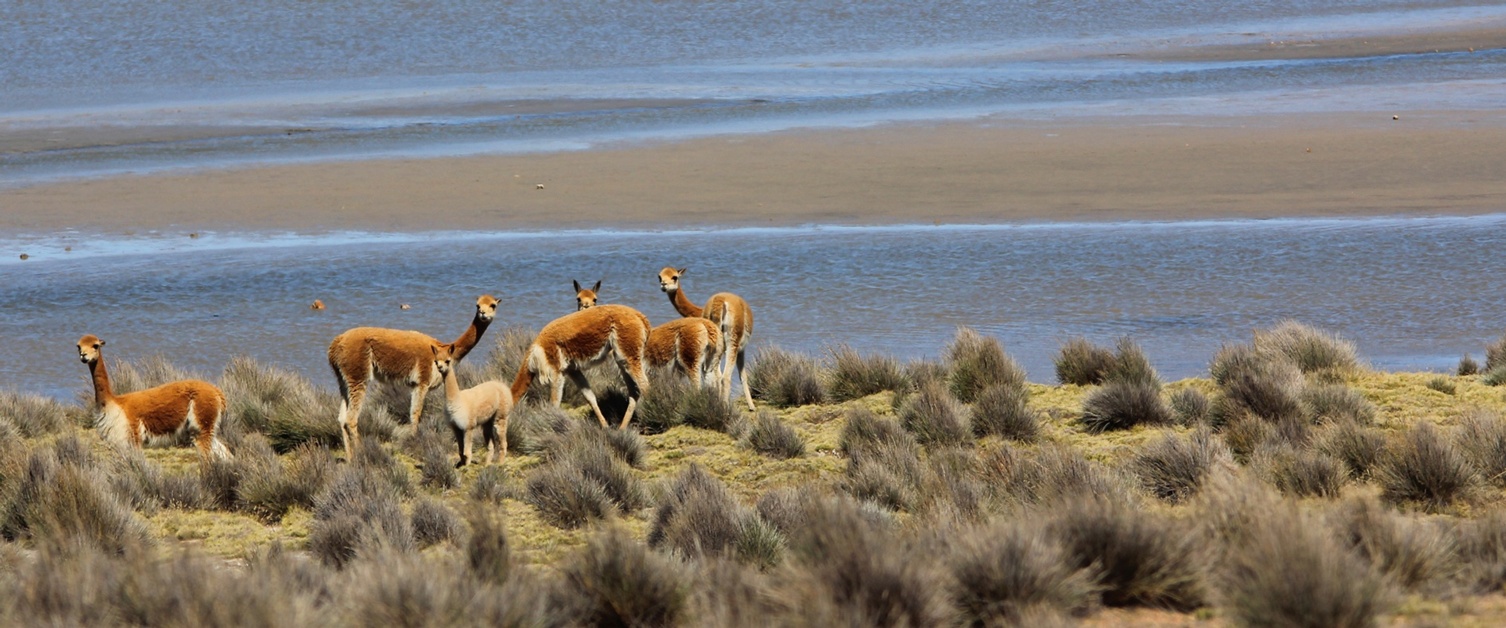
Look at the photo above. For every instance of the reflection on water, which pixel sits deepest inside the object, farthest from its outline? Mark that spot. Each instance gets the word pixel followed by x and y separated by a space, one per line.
pixel 1414 293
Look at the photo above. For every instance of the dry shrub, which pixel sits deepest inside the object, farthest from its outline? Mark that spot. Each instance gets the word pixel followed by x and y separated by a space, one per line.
pixel 532 427
pixel 1467 366
pixel 1007 570
pixel 358 512
pixel 1004 411
pixel 487 553
pixel 616 581
pixel 863 431
pixel 1495 354
pixel 1494 377
pixel 1337 402
pixel 887 473
pixel 493 485
pixel 1303 472
pixel 576 436
pixel 854 376
pixel 1359 447
pixel 936 418
pixel 1425 469
pixel 63 499
pixel 1309 349
pixel 709 409
pixel 1269 389
pixel 34 416
pixel 1245 433
pixel 1046 475
pixel 1172 468
pixel 660 409
pixel 1289 571
pixel 976 362
pixel 783 378
pixel 584 479
pixel 280 404
pixel 1131 365
pixel 1189 406
pixel 1083 363
pixel 1481 551
pixel 1121 405
pixel 1137 558
pixel 144 485
pixel 699 517
pixel 433 522
pixel 1412 553
pixel 772 437
pixel 1442 384
pixel 1481 437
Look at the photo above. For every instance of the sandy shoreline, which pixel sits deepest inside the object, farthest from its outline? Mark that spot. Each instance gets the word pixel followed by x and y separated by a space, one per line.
pixel 987 171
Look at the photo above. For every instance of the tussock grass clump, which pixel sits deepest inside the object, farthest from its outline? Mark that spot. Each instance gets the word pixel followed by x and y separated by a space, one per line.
pixel 1310 349
pixel 1480 547
pixel 709 409
pixel 1410 552
pixel 854 376
pixel 1303 472
pixel 1495 354
pixel 936 418
pixel 487 552
pixel 492 485
pixel 1494 377
pixel 863 432
pixel 1006 570
pixel 1467 366
pixel 34 416
pixel 585 437
pixel 532 427
pixel 1481 436
pixel 1004 411
pixel 1245 433
pixel 1082 363
pixel 784 378
pixel 975 362
pixel 1137 558
pixel 583 480
pixel 433 522
pixel 284 406
pixel 1121 405
pixel 617 581
pixel 1358 447
pixel 1290 572
pixel 1269 389
pixel 1172 468
pixel 359 511
pixel 1443 384
pixel 771 437
pixel 660 409
pixel 1189 406
pixel 60 501
pixel 1131 365
pixel 146 488
pixel 699 517
pixel 888 474
pixel 1426 469
pixel 1046 475
pixel 1333 402
pixel 269 488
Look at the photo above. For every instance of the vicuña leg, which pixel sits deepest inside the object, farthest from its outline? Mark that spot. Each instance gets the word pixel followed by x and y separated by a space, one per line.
pixel 489 434
pixel 742 379
pixel 416 403
pixel 350 416
pixel 462 443
pixel 636 380
pixel 585 390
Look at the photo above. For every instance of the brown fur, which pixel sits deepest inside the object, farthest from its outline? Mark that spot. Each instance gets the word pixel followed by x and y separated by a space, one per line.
pixel 484 406
pixel 693 345
pixel 127 419
pixel 390 355
pixel 585 298
pixel 570 344
pixel 730 312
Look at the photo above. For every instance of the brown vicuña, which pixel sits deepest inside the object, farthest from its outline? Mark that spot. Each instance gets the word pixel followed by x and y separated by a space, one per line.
pixel 484 406
pixel 730 313
pixel 693 345
pixel 572 343
pixel 400 357
pixel 129 418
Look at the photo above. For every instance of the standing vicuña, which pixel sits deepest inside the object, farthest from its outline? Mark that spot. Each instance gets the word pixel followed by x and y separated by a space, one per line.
pixel 483 406
pixel 693 345
pixel 129 418
pixel 394 356
pixel 730 313
pixel 570 344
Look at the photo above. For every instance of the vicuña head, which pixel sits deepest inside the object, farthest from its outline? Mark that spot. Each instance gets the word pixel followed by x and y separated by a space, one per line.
pixel 669 278
pixel 127 419
pixel 585 298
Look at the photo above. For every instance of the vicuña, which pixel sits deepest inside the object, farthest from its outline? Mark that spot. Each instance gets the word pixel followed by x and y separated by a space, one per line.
pixel 484 406
pixel 570 344
pixel 732 316
pixel 693 345
pixel 127 419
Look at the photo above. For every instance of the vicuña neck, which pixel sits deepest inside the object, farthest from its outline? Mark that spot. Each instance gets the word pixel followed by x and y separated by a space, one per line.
pixel 451 386
pixel 683 305
pixel 469 338
pixel 102 392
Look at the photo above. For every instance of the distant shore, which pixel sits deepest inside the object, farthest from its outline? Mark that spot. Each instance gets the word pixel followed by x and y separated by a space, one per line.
pixel 992 170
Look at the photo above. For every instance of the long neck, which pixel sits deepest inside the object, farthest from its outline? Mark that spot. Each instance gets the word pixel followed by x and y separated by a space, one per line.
pixel 102 392
pixel 469 338
pixel 451 386
pixel 521 382
pixel 683 305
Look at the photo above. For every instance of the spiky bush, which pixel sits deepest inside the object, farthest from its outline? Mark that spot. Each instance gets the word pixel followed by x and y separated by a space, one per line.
pixel 1442 384
pixel 936 418
pixel 1005 570
pixel 1425 469
pixel 34 416
pixel 1358 447
pixel 486 548
pixel 1189 406
pixel 1411 552
pixel 433 522
pixel 1121 405
pixel 357 512
pixel 783 378
pixel 1137 558
pixel 280 404
pixel 1495 354
pixel 1131 364
pixel 62 499
pixel 772 437
pixel 709 409
pixel 863 431
pixel 1303 472
pixel 1467 366
pixel 1172 468
pixel 1269 390
pixel 1481 437
pixel 1494 377
pixel 1289 571
pixel 584 438
pixel 1082 363
pixel 975 362
pixel 1005 411
pixel 1480 547
pixel 146 488
pixel 854 376
pixel 493 485
pixel 1310 349
pixel 1245 433
pixel 699 517
pixel 616 581
pixel 886 473
pixel 1046 475
pixel 661 407
pixel 584 481
pixel 1331 402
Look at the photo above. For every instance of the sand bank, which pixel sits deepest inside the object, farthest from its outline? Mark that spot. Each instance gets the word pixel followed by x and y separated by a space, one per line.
pixel 986 171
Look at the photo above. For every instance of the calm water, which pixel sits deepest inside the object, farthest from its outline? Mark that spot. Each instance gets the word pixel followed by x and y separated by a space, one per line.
pixel 95 87
pixel 1415 293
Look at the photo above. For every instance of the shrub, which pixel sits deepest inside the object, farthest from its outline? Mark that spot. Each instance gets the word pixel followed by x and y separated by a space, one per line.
pixel 1442 384
pixel 1289 572
pixel 280 404
pixel 935 418
pixel 147 488
pixel 782 378
pixel 269 488
pixel 358 511
pixel 1121 405
pixel 372 457
pixel 1467 366
pixel 1481 437
pixel 1267 389
pixel 887 474
pixel 864 431
pixel 1131 365
pixel 60 502
pixel 949 490
pixel 1303 472
pixel 854 376
pixel 1495 376
pixel 584 481
pixel 584 437
pixel 1330 402
pixel 616 581
pixel 1410 552
pixel 1310 349
pixel 660 409
pixel 1189 406
pixel 1358 447
pixel 1083 363
pixel 1481 551
pixel 1005 570
pixel 699 517
pixel 1245 433
pixel 1231 360
pixel 976 362
pixel 1495 354
pixel 1137 558
pixel 34 416
pixel 1425 469
pixel 1173 468
pixel 1004 411
pixel 532 427
pixel 486 548
pixel 433 522
pixel 492 486
pixel 435 470
pixel 772 437
pixel 709 409
pixel 1048 474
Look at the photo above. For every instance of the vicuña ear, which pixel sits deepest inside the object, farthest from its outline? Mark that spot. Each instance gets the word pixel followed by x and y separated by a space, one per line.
pixel 99 344
pixel 597 287
pixel 682 270
pixel 576 284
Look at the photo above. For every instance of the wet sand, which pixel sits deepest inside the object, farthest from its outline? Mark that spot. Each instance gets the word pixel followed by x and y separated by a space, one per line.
pixel 986 171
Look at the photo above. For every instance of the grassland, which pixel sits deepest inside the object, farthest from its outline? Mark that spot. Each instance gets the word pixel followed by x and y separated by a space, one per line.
pixel 1293 486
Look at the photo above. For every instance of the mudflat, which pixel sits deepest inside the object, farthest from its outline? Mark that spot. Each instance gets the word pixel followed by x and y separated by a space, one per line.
pixel 989 170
